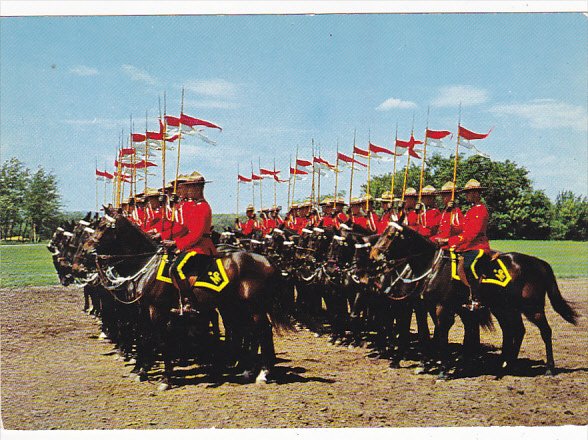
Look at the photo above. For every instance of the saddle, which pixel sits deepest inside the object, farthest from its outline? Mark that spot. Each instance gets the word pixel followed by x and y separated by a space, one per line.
pixel 203 271
pixel 491 271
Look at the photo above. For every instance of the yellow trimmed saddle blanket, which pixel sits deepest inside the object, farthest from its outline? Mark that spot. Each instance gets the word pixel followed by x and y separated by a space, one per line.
pixel 493 272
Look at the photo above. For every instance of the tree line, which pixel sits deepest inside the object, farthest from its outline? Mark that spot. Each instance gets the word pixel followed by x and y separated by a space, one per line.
pixel 517 210
pixel 30 203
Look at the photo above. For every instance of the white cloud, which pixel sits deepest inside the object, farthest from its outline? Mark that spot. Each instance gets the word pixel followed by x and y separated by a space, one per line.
pixel 83 71
pixel 395 103
pixel 218 88
pixel 452 96
pixel 98 122
pixel 546 113
pixel 137 74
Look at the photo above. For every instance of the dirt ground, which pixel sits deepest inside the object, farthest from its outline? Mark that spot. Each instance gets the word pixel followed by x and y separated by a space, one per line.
pixel 56 374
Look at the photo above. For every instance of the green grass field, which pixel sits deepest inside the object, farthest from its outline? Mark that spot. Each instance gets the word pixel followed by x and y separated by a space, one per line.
pixel 31 265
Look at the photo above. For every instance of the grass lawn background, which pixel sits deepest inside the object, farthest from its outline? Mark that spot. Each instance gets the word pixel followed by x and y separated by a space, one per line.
pixel 31 264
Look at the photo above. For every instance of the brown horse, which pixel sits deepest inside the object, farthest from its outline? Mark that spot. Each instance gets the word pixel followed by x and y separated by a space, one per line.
pixel 532 279
pixel 247 304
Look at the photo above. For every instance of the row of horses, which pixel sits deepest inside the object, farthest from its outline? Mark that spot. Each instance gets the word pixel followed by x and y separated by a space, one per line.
pixel 348 283
pixel 368 285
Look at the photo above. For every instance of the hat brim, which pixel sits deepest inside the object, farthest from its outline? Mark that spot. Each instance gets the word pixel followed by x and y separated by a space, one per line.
pixel 478 188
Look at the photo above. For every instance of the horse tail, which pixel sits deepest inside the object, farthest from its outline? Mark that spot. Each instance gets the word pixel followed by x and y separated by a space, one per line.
pixel 485 319
pixel 559 304
pixel 281 307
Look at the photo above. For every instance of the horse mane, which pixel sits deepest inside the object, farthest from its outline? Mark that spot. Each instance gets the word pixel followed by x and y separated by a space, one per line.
pixel 142 235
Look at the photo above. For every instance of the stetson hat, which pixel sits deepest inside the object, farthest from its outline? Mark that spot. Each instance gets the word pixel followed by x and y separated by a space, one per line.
pixel 181 178
pixel 340 201
pixel 473 184
pixel 410 192
pixel 326 201
pixel 151 192
pixel 428 190
pixel 447 187
pixel 195 178
pixel 386 197
pixel 250 208
pixel 356 201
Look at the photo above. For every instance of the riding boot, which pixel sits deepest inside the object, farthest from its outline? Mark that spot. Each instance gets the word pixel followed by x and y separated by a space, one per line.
pixel 474 282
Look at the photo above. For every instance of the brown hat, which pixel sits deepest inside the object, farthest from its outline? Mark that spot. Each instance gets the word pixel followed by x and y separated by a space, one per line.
pixel 447 187
pixel 473 184
pixel 410 192
pixel 250 208
pixel 195 179
pixel 151 192
pixel 428 190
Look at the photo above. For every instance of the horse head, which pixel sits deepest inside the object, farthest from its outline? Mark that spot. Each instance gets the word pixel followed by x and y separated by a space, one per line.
pixel 385 240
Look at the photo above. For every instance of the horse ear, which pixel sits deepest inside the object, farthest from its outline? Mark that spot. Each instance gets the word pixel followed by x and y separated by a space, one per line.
pixel 88 216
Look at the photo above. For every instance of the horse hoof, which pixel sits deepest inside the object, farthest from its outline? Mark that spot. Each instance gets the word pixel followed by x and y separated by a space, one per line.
pixel 131 361
pixel 247 376
pixel 549 372
pixel 419 370
pixel 138 378
pixel 102 336
pixel 442 377
pixel 262 376
pixel 162 386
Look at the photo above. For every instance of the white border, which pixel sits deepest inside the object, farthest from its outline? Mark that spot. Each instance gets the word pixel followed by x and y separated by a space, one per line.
pixel 11 8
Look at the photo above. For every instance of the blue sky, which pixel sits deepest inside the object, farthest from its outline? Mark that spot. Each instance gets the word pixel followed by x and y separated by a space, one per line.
pixel 274 83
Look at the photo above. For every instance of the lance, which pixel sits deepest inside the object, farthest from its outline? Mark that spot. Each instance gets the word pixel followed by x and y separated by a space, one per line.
pixel 394 169
pixel 260 184
pixel 456 156
pixel 408 159
pixel 295 170
pixel 105 182
pixel 164 204
pixel 147 157
pixel 179 143
pixel 289 182
pixel 118 172
pixel 312 193
pixel 275 184
pixel 318 194
pixel 352 169
pixel 424 158
pixel 252 186
pixel 96 181
pixel 336 176
pixel 367 199
pixel 238 184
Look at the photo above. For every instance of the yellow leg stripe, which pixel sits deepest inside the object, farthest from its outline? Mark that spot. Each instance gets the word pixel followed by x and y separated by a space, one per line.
pixel 184 261
pixel 473 266
pixel 454 274
pixel 160 275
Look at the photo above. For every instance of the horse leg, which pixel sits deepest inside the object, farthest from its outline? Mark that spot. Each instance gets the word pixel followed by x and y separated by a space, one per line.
pixel 445 320
pixel 540 320
pixel 504 320
pixel 268 352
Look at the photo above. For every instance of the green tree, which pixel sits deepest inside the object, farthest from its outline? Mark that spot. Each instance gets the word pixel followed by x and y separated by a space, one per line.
pixel 570 217
pixel 13 183
pixel 42 203
pixel 516 209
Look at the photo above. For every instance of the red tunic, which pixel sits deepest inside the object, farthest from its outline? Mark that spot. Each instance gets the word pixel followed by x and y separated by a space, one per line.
pixel 328 222
pixel 268 226
pixel 196 216
pixel 428 222
pixel 411 219
pixel 365 222
pixel 299 224
pixel 447 228
pixel 473 236
pixel 249 226
pixel 340 218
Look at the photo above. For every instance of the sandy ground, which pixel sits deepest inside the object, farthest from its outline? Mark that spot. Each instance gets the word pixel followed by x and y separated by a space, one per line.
pixel 56 374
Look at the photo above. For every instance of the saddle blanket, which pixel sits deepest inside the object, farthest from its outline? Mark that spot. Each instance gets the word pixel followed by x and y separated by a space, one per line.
pixel 209 274
pixel 492 271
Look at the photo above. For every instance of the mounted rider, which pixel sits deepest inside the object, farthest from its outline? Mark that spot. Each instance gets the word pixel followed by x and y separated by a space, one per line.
pixel 388 213
pixel 340 216
pixel 428 214
pixel 195 248
pixel 328 217
pixel 251 225
pixel 450 220
pixel 275 215
pixel 407 211
pixel 366 220
pixel 473 242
